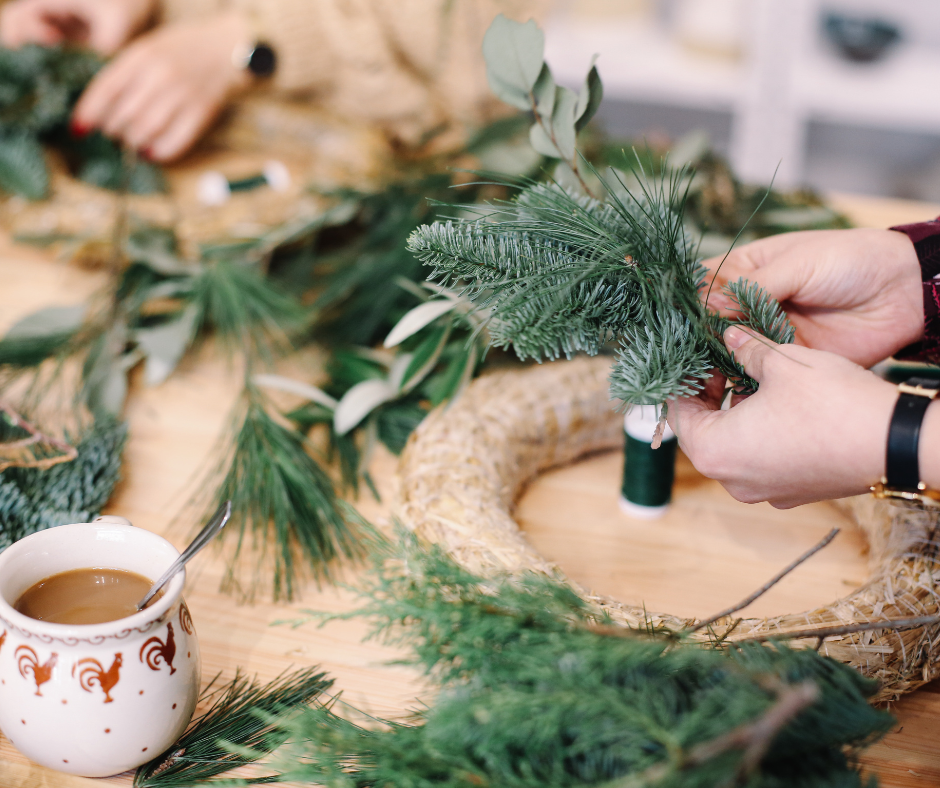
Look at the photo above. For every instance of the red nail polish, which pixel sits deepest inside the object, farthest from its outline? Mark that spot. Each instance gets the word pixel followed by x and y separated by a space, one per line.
pixel 79 129
pixel 146 153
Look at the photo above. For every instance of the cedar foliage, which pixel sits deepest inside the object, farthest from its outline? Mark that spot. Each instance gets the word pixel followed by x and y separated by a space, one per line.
pixel 537 689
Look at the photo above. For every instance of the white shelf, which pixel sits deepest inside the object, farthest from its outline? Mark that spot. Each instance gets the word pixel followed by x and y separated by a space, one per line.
pixel 897 93
pixel 789 78
pixel 639 62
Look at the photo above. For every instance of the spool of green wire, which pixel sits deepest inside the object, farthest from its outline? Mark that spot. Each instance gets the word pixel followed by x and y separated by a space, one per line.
pixel 648 473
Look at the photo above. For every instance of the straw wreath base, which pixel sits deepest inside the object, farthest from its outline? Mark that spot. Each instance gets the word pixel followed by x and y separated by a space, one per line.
pixel 466 464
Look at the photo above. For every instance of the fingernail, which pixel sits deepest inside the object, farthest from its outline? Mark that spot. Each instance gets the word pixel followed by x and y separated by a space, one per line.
pixel 146 153
pixel 79 129
pixel 735 337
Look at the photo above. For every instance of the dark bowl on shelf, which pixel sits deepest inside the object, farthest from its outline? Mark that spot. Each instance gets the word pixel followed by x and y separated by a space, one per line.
pixel 860 39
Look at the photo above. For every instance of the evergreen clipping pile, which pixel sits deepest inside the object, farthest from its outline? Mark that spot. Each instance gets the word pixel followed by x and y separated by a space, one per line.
pixel 536 689
pixel 38 89
pixel 549 263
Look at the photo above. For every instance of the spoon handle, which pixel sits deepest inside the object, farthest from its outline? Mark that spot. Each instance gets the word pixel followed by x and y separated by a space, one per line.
pixel 206 535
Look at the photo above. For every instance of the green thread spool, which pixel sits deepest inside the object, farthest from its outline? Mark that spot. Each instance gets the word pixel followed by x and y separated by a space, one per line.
pixel 648 473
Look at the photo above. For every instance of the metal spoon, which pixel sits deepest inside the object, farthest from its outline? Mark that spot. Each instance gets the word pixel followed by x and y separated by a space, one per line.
pixel 206 535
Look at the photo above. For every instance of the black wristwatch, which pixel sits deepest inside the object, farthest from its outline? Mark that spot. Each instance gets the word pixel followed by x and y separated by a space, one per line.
pixel 262 60
pixel 902 467
pixel 258 59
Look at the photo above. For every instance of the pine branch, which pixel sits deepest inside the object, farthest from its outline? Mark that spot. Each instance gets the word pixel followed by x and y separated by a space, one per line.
pixel 283 505
pixel 244 723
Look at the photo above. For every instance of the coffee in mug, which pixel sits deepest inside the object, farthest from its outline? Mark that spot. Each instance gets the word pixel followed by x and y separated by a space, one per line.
pixel 84 596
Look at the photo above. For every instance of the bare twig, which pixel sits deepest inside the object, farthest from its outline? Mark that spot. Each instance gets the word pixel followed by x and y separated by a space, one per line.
pixel 769 584
pixel 15 454
pixel 753 738
pixel 821 633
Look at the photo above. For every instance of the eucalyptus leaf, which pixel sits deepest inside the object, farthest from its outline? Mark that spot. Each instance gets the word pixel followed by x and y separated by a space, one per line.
pixel 165 345
pixel 170 288
pixel 590 97
pixel 416 319
pixel 425 357
pixel 396 375
pixel 105 383
pixel 544 92
pixel 23 166
pixel 51 321
pixel 554 136
pixel 291 386
pixel 514 50
pixel 150 252
pixel 512 95
pixel 359 402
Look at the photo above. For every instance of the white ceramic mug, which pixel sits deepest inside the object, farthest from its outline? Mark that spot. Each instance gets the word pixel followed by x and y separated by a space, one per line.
pixel 95 699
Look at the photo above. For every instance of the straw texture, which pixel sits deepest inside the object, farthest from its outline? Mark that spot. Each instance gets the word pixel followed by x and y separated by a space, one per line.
pixel 464 467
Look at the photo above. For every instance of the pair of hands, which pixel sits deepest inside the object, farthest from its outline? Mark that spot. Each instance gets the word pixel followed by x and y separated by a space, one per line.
pixel 817 428
pixel 163 89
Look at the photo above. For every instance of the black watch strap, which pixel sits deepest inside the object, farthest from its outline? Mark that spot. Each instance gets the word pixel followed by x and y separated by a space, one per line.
pixel 902 469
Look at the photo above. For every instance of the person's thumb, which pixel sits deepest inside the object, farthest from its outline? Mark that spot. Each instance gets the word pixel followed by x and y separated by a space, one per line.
pixel 749 350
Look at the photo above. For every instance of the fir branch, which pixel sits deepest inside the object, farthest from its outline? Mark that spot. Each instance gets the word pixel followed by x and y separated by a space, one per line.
pixel 561 273
pixel 658 361
pixel 244 723
pixel 759 312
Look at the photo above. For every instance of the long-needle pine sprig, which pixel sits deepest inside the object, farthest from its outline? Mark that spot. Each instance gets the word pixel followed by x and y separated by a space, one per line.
pixel 284 505
pixel 243 724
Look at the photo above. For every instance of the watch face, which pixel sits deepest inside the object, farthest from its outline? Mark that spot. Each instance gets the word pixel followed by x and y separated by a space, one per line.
pixel 262 60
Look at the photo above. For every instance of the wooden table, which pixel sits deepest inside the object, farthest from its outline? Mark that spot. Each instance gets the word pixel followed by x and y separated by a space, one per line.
pixel 709 551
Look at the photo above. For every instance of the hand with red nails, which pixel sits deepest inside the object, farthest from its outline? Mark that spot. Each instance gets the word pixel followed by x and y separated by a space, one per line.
pixel 166 88
pixel 857 293
pixel 103 25
pixel 817 427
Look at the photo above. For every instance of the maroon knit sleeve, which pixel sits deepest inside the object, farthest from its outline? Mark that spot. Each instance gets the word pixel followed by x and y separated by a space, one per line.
pixel 926 239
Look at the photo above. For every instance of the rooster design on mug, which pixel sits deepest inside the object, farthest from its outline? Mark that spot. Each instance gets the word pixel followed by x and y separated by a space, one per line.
pixel 154 650
pixel 28 663
pixel 90 672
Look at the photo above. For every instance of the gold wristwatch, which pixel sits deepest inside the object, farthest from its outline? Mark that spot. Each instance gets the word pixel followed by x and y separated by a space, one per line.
pixel 902 467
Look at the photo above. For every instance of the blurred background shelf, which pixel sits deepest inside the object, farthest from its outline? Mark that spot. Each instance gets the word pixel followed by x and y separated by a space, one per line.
pixel 769 85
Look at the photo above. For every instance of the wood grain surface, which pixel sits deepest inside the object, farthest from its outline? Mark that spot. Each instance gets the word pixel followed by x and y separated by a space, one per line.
pixel 706 553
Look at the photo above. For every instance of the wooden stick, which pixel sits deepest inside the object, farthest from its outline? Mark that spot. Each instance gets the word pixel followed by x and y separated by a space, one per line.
pixel 769 584
pixel 822 633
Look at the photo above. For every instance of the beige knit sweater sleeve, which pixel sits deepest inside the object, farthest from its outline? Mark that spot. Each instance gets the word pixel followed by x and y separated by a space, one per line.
pixel 409 65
